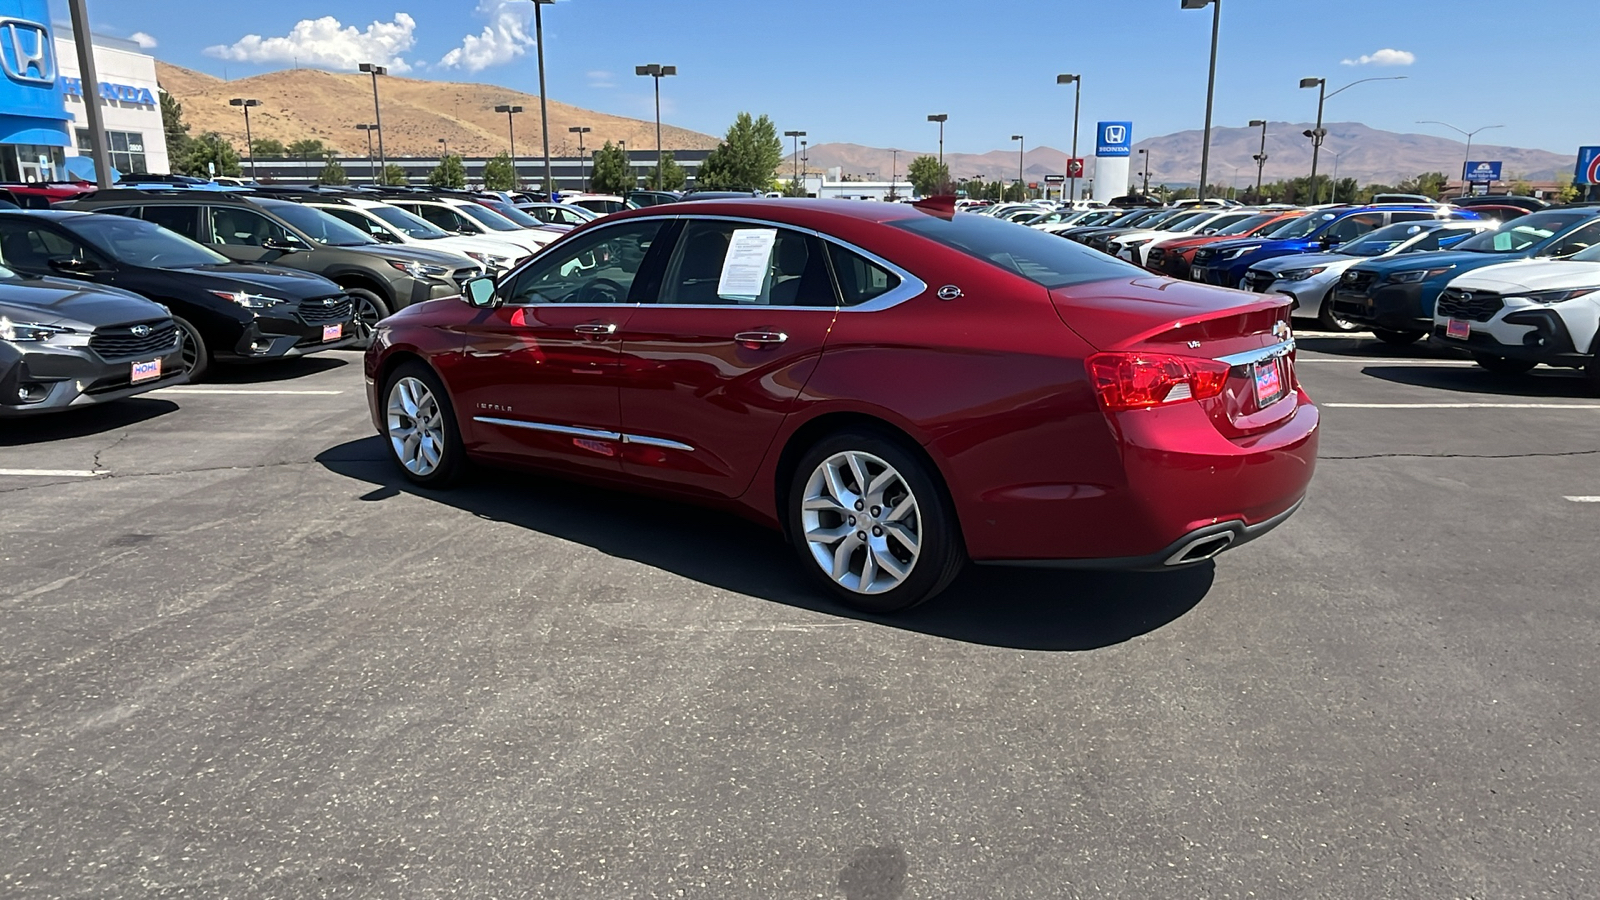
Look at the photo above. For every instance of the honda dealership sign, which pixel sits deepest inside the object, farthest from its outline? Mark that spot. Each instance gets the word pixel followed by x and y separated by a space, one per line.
pixel 1112 147
pixel 32 109
pixel 1115 139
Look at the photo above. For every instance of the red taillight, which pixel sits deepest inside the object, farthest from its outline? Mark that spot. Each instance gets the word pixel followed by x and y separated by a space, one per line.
pixel 1142 380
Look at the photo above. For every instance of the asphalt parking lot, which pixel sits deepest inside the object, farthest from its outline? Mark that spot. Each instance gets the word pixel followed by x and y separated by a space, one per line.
pixel 240 658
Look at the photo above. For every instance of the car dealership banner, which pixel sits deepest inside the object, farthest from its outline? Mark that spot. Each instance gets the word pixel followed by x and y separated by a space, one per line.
pixel 1588 166
pixel 1112 147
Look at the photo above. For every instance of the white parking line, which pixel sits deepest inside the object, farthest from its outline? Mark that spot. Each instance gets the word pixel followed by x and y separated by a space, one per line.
pixel 1584 499
pixel 1461 405
pixel 239 391
pixel 52 473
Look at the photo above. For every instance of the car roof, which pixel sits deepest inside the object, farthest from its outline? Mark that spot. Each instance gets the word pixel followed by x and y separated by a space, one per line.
pixel 794 210
pixel 54 215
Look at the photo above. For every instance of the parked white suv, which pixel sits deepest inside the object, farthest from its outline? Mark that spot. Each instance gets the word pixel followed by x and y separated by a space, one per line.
pixel 1515 315
pixel 393 225
pixel 466 217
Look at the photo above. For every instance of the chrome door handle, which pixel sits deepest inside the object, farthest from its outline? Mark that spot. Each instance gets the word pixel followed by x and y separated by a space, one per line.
pixel 761 337
pixel 595 329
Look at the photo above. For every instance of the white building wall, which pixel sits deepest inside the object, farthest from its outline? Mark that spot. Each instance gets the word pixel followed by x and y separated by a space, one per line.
pixel 127 67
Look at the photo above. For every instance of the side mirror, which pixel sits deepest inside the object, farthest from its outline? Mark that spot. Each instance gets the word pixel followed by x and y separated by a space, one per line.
pixel 282 246
pixel 480 293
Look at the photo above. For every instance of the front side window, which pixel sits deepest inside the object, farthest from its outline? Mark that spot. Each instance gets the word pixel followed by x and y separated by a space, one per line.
pixel 736 263
pixel 27 247
pixel 321 227
pixel 594 268
pixel 1038 256
pixel 1353 226
pixel 1574 241
pixel 357 220
pixel 239 227
pixel 487 217
pixel 407 224
pixel 444 217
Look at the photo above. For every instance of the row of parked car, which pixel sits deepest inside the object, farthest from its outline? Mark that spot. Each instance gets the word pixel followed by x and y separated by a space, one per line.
pixel 127 290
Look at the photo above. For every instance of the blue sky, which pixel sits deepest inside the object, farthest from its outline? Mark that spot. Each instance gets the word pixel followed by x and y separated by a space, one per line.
pixel 870 71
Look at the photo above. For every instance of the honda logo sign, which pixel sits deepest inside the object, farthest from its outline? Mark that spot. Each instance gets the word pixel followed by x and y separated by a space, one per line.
pixel 25 52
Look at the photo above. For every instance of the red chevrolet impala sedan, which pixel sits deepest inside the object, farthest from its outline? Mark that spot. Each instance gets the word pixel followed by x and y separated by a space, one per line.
pixel 899 389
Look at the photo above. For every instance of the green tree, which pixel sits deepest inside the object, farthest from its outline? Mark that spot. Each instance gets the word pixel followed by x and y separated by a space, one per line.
pixel 673 177
pixel 172 123
pixel 927 176
pixel 208 150
pixel 499 174
pixel 393 174
pixel 305 148
pixel 746 160
pixel 1430 184
pixel 268 148
pixel 449 173
pixel 792 188
pixel 332 173
pixel 612 173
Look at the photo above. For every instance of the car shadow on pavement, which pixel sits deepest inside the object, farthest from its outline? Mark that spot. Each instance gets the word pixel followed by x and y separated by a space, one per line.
pixel 1540 384
pixel 274 370
pixel 1021 608
pixel 1359 345
pixel 82 421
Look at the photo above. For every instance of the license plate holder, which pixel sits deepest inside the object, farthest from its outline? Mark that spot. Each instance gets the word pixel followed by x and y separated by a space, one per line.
pixel 332 332
pixel 1458 330
pixel 1268 378
pixel 144 371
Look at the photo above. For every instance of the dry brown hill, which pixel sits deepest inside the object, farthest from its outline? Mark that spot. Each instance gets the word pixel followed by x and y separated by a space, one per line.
pixel 326 106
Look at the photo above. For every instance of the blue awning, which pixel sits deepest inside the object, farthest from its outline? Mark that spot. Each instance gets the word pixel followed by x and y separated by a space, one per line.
pixel 34 130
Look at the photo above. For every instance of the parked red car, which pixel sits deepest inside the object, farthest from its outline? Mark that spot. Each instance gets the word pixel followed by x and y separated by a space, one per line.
pixel 1174 257
pixel 900 389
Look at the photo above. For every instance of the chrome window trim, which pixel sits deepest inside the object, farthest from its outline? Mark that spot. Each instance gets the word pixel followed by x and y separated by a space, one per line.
pixel 573 431
pixel 1260 354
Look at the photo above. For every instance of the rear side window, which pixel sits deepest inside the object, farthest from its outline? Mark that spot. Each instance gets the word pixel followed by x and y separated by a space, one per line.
pixel 1038 256
pixel 181 219
pixel 860 279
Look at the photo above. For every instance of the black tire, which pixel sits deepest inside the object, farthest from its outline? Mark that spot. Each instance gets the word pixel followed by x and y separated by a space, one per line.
pixel 1501 365
pixel 941 553
pixel 1329 320
pixel 196 355
pixel 1591 372
pixel 452 463
pixel 367 309
pixel 1398 338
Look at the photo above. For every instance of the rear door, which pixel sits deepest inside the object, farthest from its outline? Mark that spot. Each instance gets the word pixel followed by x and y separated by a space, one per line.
pixel 711 369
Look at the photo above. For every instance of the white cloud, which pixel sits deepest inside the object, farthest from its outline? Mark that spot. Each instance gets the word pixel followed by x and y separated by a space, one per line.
pixel 508 35
pixel 600 78
pixel 1384 57
pixel 326 42
pixel 142 39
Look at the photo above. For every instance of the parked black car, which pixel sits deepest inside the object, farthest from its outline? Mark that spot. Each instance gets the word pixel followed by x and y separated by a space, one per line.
pixel 66 344
pixel 226 311
pixel 380 278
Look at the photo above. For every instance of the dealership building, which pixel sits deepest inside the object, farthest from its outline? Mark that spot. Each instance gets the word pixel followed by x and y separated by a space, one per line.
pixel 44 129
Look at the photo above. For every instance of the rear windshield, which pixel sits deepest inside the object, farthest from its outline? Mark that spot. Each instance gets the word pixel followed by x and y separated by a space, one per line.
pixel 1038 256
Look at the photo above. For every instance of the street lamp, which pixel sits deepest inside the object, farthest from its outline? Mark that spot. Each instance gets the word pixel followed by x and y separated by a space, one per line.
pixel 1211 84
pixel 1318 133
pixel 511 131
pixel 377 114
pixel 249 145
pixel 1260 158
pixel 1077 94
pixel 941 118
pixel 797 135
pixel 1333 188
pixel 1021 144
pixel 444 142
pixel 1146 154
pixel 894 170
pixel 544 106
pixel 372 171
pixel 658 72
pixel 804 169
pixel 580 131
pixel 1464 162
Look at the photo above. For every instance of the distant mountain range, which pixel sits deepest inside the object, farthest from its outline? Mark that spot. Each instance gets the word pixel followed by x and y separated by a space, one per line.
pixel 1366 154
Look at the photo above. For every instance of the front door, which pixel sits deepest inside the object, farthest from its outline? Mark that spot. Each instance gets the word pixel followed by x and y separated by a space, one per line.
pixel 710 370
pixel 539 381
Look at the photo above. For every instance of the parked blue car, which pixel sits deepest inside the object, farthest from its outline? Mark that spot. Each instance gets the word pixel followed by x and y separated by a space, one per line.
pixel 1226 262
pixel 1395 297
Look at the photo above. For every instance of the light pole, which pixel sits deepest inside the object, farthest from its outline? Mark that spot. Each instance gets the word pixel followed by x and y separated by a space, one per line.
pixel 1464 162
pixel 580 131
pixel 1021 145
pixel 1211 84
pixel 1333 187
pixel 894 170
pixel 544 106
pixel 1234 194
pixel 249 145
pixel 445 143
pixel 511 131
pixel 797 135
pixel 377 114
pixel 658 72
pixel 1318 133
pixel 1260 158
pixel 372 171
pixel 1146 154
pixel 941 118
pixel 1077 94
pixel 804 169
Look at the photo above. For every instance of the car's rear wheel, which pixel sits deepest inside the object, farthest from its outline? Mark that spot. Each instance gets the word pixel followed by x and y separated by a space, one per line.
pixel 1500 365
pixel 419 425
pixel 1332 321
pixel 192 349
pixel 872 523
pixel 1398 338
pixel 368 309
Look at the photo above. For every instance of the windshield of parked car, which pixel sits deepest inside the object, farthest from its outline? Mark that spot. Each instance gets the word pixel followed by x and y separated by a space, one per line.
pixel 1036 255
pixel 1520 234
pixel 1188 223
pixel 407 224
pixel 1381 241
pixel 321 227
pixel 514 214
pixel 141 243
pixel 1247 225
pixel 487 217
pixel 1302 227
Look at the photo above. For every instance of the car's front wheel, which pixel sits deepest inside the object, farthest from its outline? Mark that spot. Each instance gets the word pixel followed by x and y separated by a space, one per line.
pixel 1330 320
pixel 419 425
pixel 367 310
pixel 1500 365
pixel 192 349
pixel 871 522
pixel 1398 338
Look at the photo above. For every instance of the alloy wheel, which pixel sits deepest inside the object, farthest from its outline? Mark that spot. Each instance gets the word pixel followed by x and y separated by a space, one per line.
pixel 416 427
pixel 188 351
pixel 862 523
pixel 364 318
